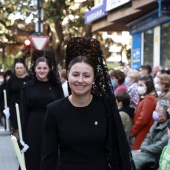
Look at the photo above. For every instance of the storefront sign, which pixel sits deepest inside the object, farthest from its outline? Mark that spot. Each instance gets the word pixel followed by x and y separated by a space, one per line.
pixel 147 22
pixel 164 8
pixel 95 14
pixel 136 51
pixel 136 58
pixel 112 4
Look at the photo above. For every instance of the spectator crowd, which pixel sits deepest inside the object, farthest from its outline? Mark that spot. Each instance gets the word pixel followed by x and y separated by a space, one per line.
pixel 147 92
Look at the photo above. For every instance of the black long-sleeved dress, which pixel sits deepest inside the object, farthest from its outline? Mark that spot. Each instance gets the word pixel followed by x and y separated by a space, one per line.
pixel 80 134
pixel 14 86
pixel 35 97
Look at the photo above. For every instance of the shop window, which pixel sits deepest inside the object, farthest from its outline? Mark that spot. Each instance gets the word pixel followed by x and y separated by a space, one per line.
pixel 148 47
pixel 165 45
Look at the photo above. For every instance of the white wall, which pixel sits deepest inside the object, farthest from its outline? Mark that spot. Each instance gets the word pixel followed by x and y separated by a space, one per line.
pixel 156 49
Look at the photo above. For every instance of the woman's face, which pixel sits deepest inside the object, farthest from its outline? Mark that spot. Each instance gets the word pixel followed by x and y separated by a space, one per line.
pixel 162 86
pixel 161 113
pixel 115 79
pixel 42 69
pixel 19 69
pixel 142 88
pixel 80 78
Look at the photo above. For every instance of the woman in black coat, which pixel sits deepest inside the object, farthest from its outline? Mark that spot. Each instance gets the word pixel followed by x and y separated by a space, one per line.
pixel 43 89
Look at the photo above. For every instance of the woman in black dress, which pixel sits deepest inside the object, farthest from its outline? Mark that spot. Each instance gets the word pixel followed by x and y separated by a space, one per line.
pixel 43 89
pixel 14 85
pixel 86 126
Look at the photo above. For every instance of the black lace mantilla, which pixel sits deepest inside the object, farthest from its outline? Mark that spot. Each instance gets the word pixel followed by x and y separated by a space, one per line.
pixel 90 47
pixel 119 153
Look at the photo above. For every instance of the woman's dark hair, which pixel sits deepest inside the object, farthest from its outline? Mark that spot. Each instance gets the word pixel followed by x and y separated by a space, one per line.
pixel 147 67
pixel 84 59
pixel 119 75
pixel 19 60
pixel 7 73
pixel 148 80
pixel 124 98
pixel 42 59
pixel 165 71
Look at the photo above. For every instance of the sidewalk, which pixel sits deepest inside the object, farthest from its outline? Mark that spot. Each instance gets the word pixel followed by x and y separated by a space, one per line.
pixel 8 159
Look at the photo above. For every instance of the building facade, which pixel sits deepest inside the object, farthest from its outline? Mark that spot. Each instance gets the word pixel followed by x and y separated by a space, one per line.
pixel 148 22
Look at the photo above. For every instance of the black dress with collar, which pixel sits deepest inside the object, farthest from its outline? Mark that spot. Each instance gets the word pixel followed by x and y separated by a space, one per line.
pixel 79 133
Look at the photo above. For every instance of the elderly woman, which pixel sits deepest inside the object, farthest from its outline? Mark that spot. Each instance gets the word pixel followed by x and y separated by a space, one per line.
pixel 133 76
pixel 164 84
pixel 118 78
pixel 156 139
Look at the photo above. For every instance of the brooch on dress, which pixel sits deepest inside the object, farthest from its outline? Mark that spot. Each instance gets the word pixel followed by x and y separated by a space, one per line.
pixel 96 123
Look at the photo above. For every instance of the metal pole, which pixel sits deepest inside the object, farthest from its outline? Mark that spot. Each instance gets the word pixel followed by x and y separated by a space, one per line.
pixel 39 16
pixel 159 8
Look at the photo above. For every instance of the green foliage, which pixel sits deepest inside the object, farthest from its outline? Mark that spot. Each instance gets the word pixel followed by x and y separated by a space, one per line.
pixel 53 10
pixel 62 20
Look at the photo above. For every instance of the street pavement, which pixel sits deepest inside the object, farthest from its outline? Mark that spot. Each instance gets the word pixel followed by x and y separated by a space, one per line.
pixel 8 159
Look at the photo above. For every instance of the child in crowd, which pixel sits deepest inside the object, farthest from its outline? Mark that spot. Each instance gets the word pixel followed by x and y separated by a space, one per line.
pixel 126 112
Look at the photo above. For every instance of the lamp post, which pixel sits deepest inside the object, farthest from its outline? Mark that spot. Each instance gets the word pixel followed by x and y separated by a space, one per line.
pixel 37 5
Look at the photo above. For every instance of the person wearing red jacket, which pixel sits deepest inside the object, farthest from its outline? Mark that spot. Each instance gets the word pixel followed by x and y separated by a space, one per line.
pixel 143 116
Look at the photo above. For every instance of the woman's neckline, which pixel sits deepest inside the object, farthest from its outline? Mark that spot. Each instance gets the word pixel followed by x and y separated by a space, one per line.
pixel 78 105
pixel 42 81
pixel 22 77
